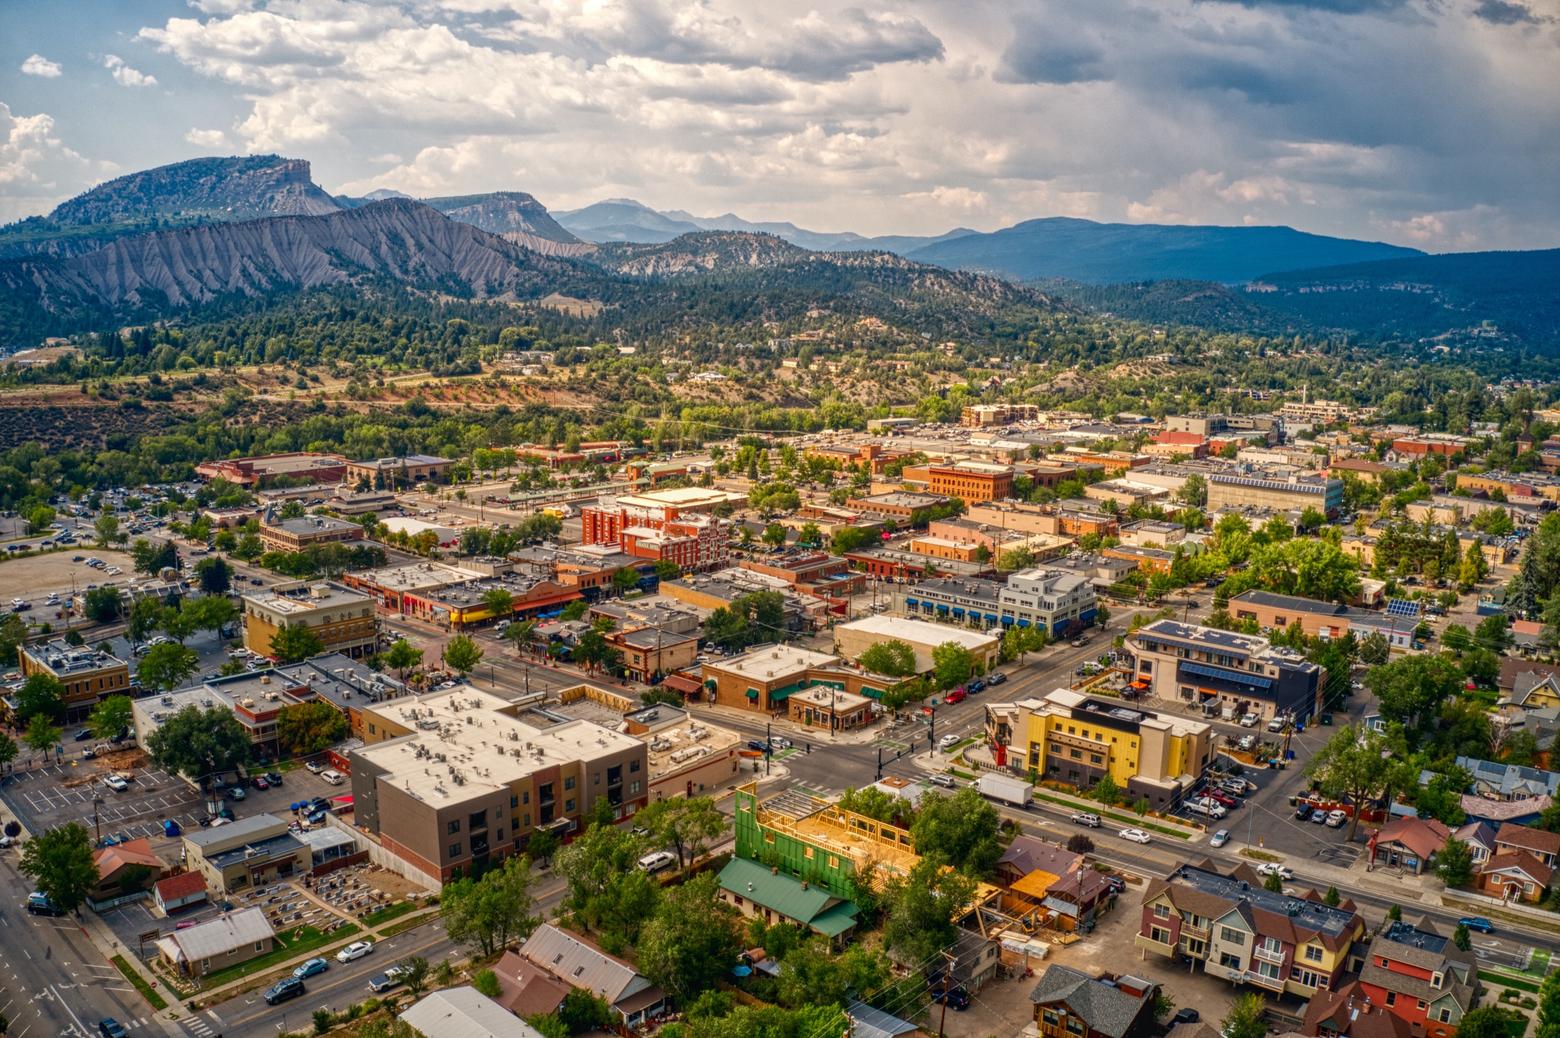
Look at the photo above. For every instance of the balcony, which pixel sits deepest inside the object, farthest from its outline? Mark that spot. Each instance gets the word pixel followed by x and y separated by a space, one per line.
pixel 1271 983
pixel 1276 957
pixel 1147 943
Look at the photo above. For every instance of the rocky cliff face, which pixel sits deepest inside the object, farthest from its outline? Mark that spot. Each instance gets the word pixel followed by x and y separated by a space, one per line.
pixel 701 253
pixel 241 188
pixel 396 239
pixel 504 212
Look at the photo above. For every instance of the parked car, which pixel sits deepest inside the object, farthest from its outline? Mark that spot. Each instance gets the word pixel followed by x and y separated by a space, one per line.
pixel 39 904
pixel 956 998
pixel 1088 819
pixel 945 781
pixel 1247 742
pixel 1219 797
pixel 947 742
pixel 975 686
pixel 282 990
pixel 758 746
pixel 1186 1016
pixel 997 678
pixel 82 734
pixel 235 793
pixel 1220 838
pixel 311 967
pixel 1273 868
pixel 1135 835
pixel 108 1027
pixel 333 776
pixel 274 778
pixel 315 767
pixel 260 782
pixel 171 828
pixel 1249 721
pixel 1336 818
pixel 354 951
pixel 1276 725
pixel 383 982
pixel 656 861
pixel 1319 817
pixel 116 782
pixel 957 695
pixel 1303 812
pixel 1477 923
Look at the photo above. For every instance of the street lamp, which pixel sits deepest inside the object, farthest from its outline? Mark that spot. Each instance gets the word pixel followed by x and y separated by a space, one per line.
pixel 97 828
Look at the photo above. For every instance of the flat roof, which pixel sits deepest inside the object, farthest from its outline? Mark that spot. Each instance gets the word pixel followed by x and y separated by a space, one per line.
pixel 417 575
pixel 1314 915
pixel 772 661
pixel 306 524
pixel 465 743
pixel 65 659
pixel 677 497
pixel 304 598
pixel 675 747
pixel 920 632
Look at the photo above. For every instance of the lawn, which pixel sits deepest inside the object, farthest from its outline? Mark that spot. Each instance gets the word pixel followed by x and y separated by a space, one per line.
pixel 287 947
pixel 148 992
pixel 387 913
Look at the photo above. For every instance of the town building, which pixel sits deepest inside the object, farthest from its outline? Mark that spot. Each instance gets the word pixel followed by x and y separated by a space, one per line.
pixel 903 506
pixel 897 564
pixel 1234 928
pixel 126 872
pixel 215 945
pixel 688 758
pixel 1412 448
pixel 980 416
pixel 256 472
pixel 649 653
pixel 673 525
pixel 1071 1004
pixel 1407 844
pixel 342 619
pixel 246 854
pixel 971 481
pixel 1420 977
pixel 459 606
pixel 178 892
pixel 778 897
pixel 392 473
pixel 763 678
pixel 829 709
pixel 856 637
pixel 463 1012
pixel 1046 597
pixel 1347 1013
pixel 389 585
pixel 305 531
pixel 1071 737
pixel 1318 412
pixel 1521 866
pixel 1271 611
pixel 419 533
pixel 87 675
pixel 454 780
pixel 1224 672
pixel 1258 489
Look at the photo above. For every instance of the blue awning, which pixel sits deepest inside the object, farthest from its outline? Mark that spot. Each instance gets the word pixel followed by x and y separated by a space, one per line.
pixel 991 618
pixel 958 611
pixel 942 609
pixel 1007 621
pixel 1022 622
pixel 911 603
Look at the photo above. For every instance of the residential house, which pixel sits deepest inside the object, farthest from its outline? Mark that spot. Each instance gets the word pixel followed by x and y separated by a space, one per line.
pixel 1349 1013
pixel 1509 781
pixel 464 1012
pixel 1242 932
pixel 568 957
pixel 777 897
pixel 1522 865
pixel 525 989
pixel 1409 844
pixel 1421 977
pixel 1480 838
pixel 179 892
pixel 126 871
pixel 1071 1004
pixel 215 945
pixel 1027 854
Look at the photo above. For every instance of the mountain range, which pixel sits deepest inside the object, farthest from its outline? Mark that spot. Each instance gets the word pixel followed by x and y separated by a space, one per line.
pixel 176 238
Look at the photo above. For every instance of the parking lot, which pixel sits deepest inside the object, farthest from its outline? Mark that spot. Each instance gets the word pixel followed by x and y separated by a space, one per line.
pixel 58 793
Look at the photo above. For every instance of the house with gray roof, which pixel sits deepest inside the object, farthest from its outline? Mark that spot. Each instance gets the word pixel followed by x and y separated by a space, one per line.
pixel 224 941
pixel 568 957
pixel 464 1012
pixel 1509 781
pixel 1107 1006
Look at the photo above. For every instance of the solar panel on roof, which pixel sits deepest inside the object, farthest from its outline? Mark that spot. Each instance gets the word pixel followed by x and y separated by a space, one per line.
pixel 1402 607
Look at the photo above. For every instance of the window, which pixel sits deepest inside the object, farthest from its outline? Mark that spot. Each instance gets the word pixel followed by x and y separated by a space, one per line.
pixel 1161 911
pixel 1230 962
pixel 807 852
pixel 1159 935
pixel 1268 971
pixel 1421 1004
pixel 1074 1026
pixel 633 765
pixel 568 806
pixel 1231 936
pixel 568 782
pixel 1391 998
pixel 1313 953
pixel 259 946
pixel 452 827
pixel 1050 1017
pixel 454 850
pixel 1445 1016
pixel 514 801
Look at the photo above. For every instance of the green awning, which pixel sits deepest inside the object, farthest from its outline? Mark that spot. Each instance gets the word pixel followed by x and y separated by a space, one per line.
pixel 752 694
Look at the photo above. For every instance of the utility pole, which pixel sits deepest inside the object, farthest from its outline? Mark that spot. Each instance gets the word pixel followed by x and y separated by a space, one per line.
pixel 769 747
pixel 947 990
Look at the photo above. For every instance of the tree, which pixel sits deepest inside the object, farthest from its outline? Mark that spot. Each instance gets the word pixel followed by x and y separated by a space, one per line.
pixel 692 940
pixel 106 527
pixel 952 664
pixel 1473 568
pixel 499 602
pixel 8 751
pixel 961 828
pixel 145 616
pixel 922 907
pixel 13 633
pixel 574 610
pixel 216 576
pixel 209 612
pixel 666 569
pixel 1358 765
pixel 1461 939
pixel 1410 689
pixel 1493 634
pixel 1194 491
pixel 153 559
pixel 1308 567
pixel 1274 882
pixel 486 983
pixel 41 695
pixel 1549 1006
pixel 607 892
pixel 688 824
pixel 199 744
pixel 304 729
pixel 414 974
pixel 103 605
pixel 583 1011
pixel 1375 649
pixel 59 860
pixel 1246 1018
pixel 773 535
pixel 402 656
pixel 294 643
pixel 874 802
pixel 111 716
pixel 892 658
pixel 42 735
pixel 462 655
pixel 490 913
pixel 848 539
pixel 1332 897
pixel 1078 843
pixel 1492 1022
pixel 625 580
pixel 167 666
pixel 1015 559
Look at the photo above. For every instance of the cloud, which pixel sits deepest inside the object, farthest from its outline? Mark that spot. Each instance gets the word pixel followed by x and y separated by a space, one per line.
pixel 37 170
pixel 1504 12
pixel 1031 59
pixel 38 65
pixel 206 138
pixel 124 75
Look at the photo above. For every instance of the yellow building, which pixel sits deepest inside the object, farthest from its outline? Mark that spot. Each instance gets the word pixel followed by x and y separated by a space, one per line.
pixel 1078 739
pixel 341 618
pixel 87 674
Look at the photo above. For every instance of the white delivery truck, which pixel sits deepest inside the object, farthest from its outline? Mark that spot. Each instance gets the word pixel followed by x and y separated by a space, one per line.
pixel 1005 788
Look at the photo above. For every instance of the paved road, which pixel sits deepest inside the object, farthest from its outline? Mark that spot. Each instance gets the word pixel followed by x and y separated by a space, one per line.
pixel 53 981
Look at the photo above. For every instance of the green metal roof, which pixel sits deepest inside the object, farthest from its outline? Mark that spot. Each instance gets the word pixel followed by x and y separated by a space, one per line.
pixel 778 892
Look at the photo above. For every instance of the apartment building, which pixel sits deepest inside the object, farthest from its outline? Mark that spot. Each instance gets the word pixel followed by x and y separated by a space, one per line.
pixel 341 618
pixel 1421 978
pixel 1269 610
pixel 1224 672
pixel 1054 599
pixel 1067 736
pixel 87 674
pixel 305 532
pixel 399 472
pixel 1318 412
pixel 1259 489
pixel 450 780
pixel 1412 448
pixel 979 416
pixel 1232 927
pixel 971 481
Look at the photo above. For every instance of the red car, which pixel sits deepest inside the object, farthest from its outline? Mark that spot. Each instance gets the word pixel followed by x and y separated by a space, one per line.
pixel 1218 796
pixel 958 695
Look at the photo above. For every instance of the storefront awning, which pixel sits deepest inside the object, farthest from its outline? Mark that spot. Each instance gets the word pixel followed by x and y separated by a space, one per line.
pixel 752 694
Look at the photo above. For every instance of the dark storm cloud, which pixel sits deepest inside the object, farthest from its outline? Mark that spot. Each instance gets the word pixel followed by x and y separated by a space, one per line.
pixel 1504 12
pixel 1030 58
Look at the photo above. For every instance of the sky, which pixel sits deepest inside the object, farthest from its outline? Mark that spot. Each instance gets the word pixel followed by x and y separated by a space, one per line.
pixel 1432 123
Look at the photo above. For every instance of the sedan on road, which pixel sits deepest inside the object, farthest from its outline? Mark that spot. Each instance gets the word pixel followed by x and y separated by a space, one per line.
pixel 312 967
pixel 282 990
pixel 108 1027
pixel 1090 820
pixel 1220 838
pixel 1135 835
pixel 1477 923
pixel 355 950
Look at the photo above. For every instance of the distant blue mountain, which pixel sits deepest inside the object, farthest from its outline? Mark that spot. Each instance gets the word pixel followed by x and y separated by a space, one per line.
pixel 1101 253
